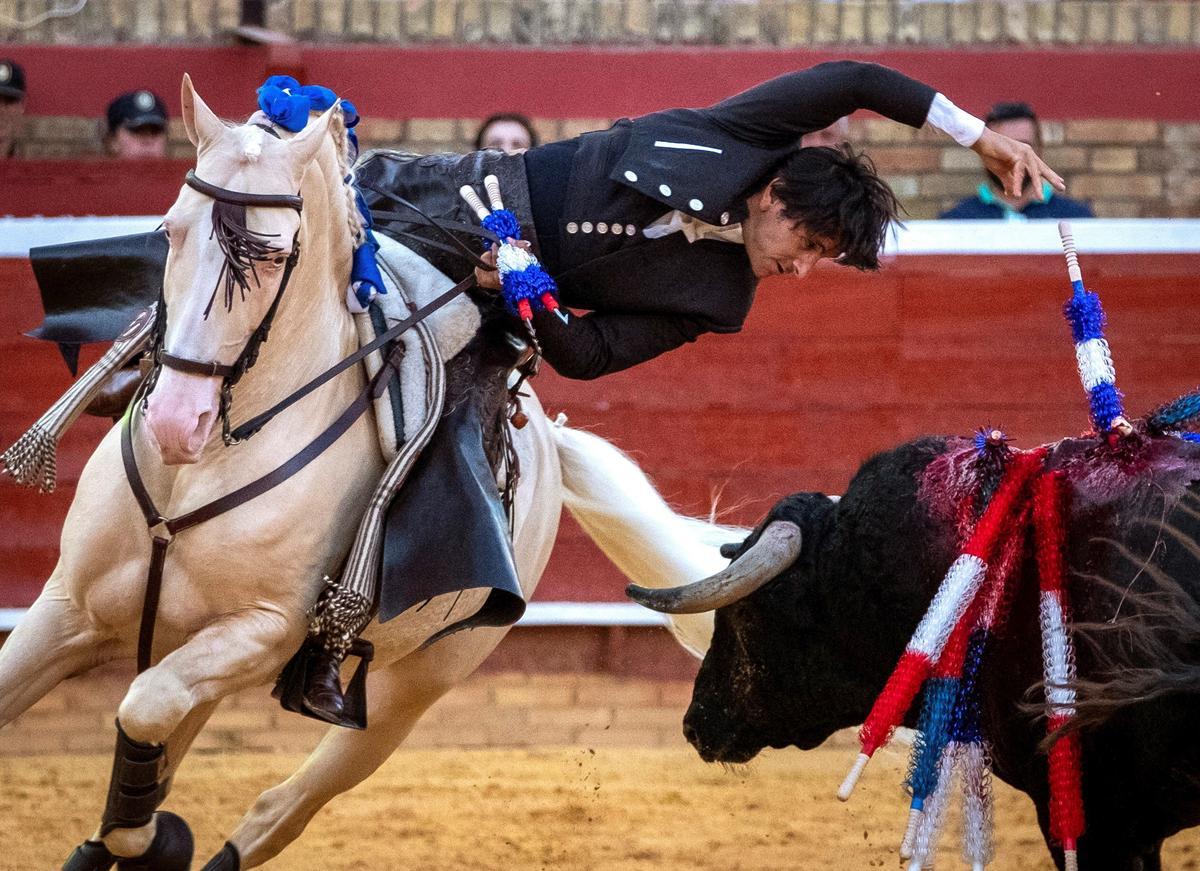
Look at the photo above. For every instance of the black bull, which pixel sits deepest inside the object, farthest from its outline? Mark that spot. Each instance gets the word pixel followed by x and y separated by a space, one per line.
pixel 807 653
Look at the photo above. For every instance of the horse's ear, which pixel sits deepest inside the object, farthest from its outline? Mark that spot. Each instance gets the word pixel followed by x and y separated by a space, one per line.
pixel 304 144
pixel 199 120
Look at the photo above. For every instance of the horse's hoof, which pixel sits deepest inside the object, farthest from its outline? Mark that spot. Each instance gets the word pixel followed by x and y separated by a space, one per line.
pixel 227 860
pixel 171 849
pixel 90 856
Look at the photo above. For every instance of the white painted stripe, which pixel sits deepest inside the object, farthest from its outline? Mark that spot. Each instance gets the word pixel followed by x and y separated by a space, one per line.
pixel 1095 363
pixel 686 146
pixel 1099 236
pixel 536 614
pixel 1093 236
pixel 9 617
pixel 1056 661
pixel 957 590
pixel 18 235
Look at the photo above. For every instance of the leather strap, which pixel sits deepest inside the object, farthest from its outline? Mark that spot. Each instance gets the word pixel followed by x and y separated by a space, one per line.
pixel 373 389
pixel 194 367
pixel 256 423
pixel 440 226
pixel 241 198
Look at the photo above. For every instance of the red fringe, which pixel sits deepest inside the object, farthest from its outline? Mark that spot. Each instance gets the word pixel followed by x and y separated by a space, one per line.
pixel 1065 769
pixel 892 703
pixel 1024 466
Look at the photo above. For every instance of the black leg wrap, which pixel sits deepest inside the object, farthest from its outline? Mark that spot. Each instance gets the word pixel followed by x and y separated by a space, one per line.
pixel 90 856
pixel 171 849
pixel 136 788
pixel 227 860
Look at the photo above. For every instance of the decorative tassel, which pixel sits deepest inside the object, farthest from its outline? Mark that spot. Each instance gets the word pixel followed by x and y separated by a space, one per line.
pixel 1058 663
pixel 954 596
pixel 929 832
pixel 1085 314
pixel 525 285
pixel 31 462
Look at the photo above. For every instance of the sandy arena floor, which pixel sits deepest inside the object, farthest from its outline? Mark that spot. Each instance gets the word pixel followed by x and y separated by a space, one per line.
pixel 536 809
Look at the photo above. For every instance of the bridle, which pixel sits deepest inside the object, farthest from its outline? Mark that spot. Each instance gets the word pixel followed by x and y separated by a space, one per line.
pixel 168 527
pixel 231 373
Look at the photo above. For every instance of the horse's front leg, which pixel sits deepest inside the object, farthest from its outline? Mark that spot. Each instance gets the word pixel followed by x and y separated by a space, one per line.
pixel 170 701
pixel 398 695
pixel 53 641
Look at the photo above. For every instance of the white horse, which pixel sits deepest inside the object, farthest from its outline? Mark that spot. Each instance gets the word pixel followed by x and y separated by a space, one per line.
pixel 237 587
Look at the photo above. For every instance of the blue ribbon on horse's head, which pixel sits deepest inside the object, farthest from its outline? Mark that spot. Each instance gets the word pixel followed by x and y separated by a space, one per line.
pixel 287 103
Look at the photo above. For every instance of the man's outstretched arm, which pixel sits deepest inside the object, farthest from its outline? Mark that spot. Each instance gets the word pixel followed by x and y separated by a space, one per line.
pixel 779 111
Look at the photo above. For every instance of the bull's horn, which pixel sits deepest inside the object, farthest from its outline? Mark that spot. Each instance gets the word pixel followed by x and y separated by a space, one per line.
pixel 775 550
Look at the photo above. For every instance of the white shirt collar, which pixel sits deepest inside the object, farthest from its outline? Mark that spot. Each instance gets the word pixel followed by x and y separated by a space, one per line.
pixel 692 228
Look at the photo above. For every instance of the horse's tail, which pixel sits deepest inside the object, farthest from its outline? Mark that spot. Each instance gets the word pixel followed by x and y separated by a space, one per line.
pixel 618 507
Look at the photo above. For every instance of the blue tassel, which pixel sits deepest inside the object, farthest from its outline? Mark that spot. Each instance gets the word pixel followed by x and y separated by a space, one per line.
pixel 965 723
pixel 1085 314
pixel 365 276
pixel 1105 401
pixel 932 734
pixel 1181 412
pixel 287 103
pixel 504 224
pixel 1190 437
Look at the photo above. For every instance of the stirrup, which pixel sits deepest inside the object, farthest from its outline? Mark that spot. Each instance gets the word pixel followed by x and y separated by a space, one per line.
pixel 292 683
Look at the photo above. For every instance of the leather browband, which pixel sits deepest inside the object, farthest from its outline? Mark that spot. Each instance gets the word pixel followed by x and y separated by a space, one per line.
pixel 239 198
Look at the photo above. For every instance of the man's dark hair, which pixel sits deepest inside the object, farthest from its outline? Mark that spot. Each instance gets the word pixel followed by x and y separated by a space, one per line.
pixel 837 194
pixel 515 117
pixel 1011 112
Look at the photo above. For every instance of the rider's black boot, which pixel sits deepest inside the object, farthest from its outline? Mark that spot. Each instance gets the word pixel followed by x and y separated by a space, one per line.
pixel 323 686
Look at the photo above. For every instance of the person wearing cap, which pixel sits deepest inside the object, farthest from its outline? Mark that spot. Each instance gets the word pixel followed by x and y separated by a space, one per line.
pixel 12 106
pixel 137 126
pixel 1018 122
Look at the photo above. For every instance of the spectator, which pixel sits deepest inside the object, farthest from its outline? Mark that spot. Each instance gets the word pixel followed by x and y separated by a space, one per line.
pixel 137 126
pixel 12 106
pixel 1016 121
pixel 510 132
pixel 835 135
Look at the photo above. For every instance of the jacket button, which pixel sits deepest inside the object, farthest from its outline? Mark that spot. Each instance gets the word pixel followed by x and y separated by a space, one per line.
pixel 630 175
pixel 602 227
pixel 665 190
pixel 572 227
pixel 630 229
pixel 696 205
pixel 617 229
pixel 724 217
pixel 586 226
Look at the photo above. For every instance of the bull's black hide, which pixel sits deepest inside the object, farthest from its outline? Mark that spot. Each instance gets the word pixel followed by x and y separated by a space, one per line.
pixel 806 654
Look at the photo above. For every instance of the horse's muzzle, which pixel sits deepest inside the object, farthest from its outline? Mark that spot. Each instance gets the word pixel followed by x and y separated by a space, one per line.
pixel 180 414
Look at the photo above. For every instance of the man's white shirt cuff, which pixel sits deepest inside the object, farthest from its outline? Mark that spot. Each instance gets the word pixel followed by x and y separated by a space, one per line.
pixel 963 127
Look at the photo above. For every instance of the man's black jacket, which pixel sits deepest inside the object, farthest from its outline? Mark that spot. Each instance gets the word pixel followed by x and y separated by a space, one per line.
pixel 647 296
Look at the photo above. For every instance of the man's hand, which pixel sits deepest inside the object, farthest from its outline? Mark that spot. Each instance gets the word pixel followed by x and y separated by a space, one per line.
pixel 1013 163
pixel 489 279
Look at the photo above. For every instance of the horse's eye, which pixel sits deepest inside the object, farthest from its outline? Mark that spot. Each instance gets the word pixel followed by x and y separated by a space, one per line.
pixel 279 261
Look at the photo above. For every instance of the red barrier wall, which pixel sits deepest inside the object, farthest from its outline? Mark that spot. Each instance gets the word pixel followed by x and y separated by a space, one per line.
pixel 826 373
pixel 416 82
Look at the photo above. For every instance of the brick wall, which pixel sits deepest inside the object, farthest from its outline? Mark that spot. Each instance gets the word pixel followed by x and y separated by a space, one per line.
pixel 490 709
pixel 1125 167
pixel 789 23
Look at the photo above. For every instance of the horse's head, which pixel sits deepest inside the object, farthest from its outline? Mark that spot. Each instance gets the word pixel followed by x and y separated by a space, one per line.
pixel 234 233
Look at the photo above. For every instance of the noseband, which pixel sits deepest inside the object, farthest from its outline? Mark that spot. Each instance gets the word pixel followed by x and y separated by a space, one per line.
pixel 232 373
